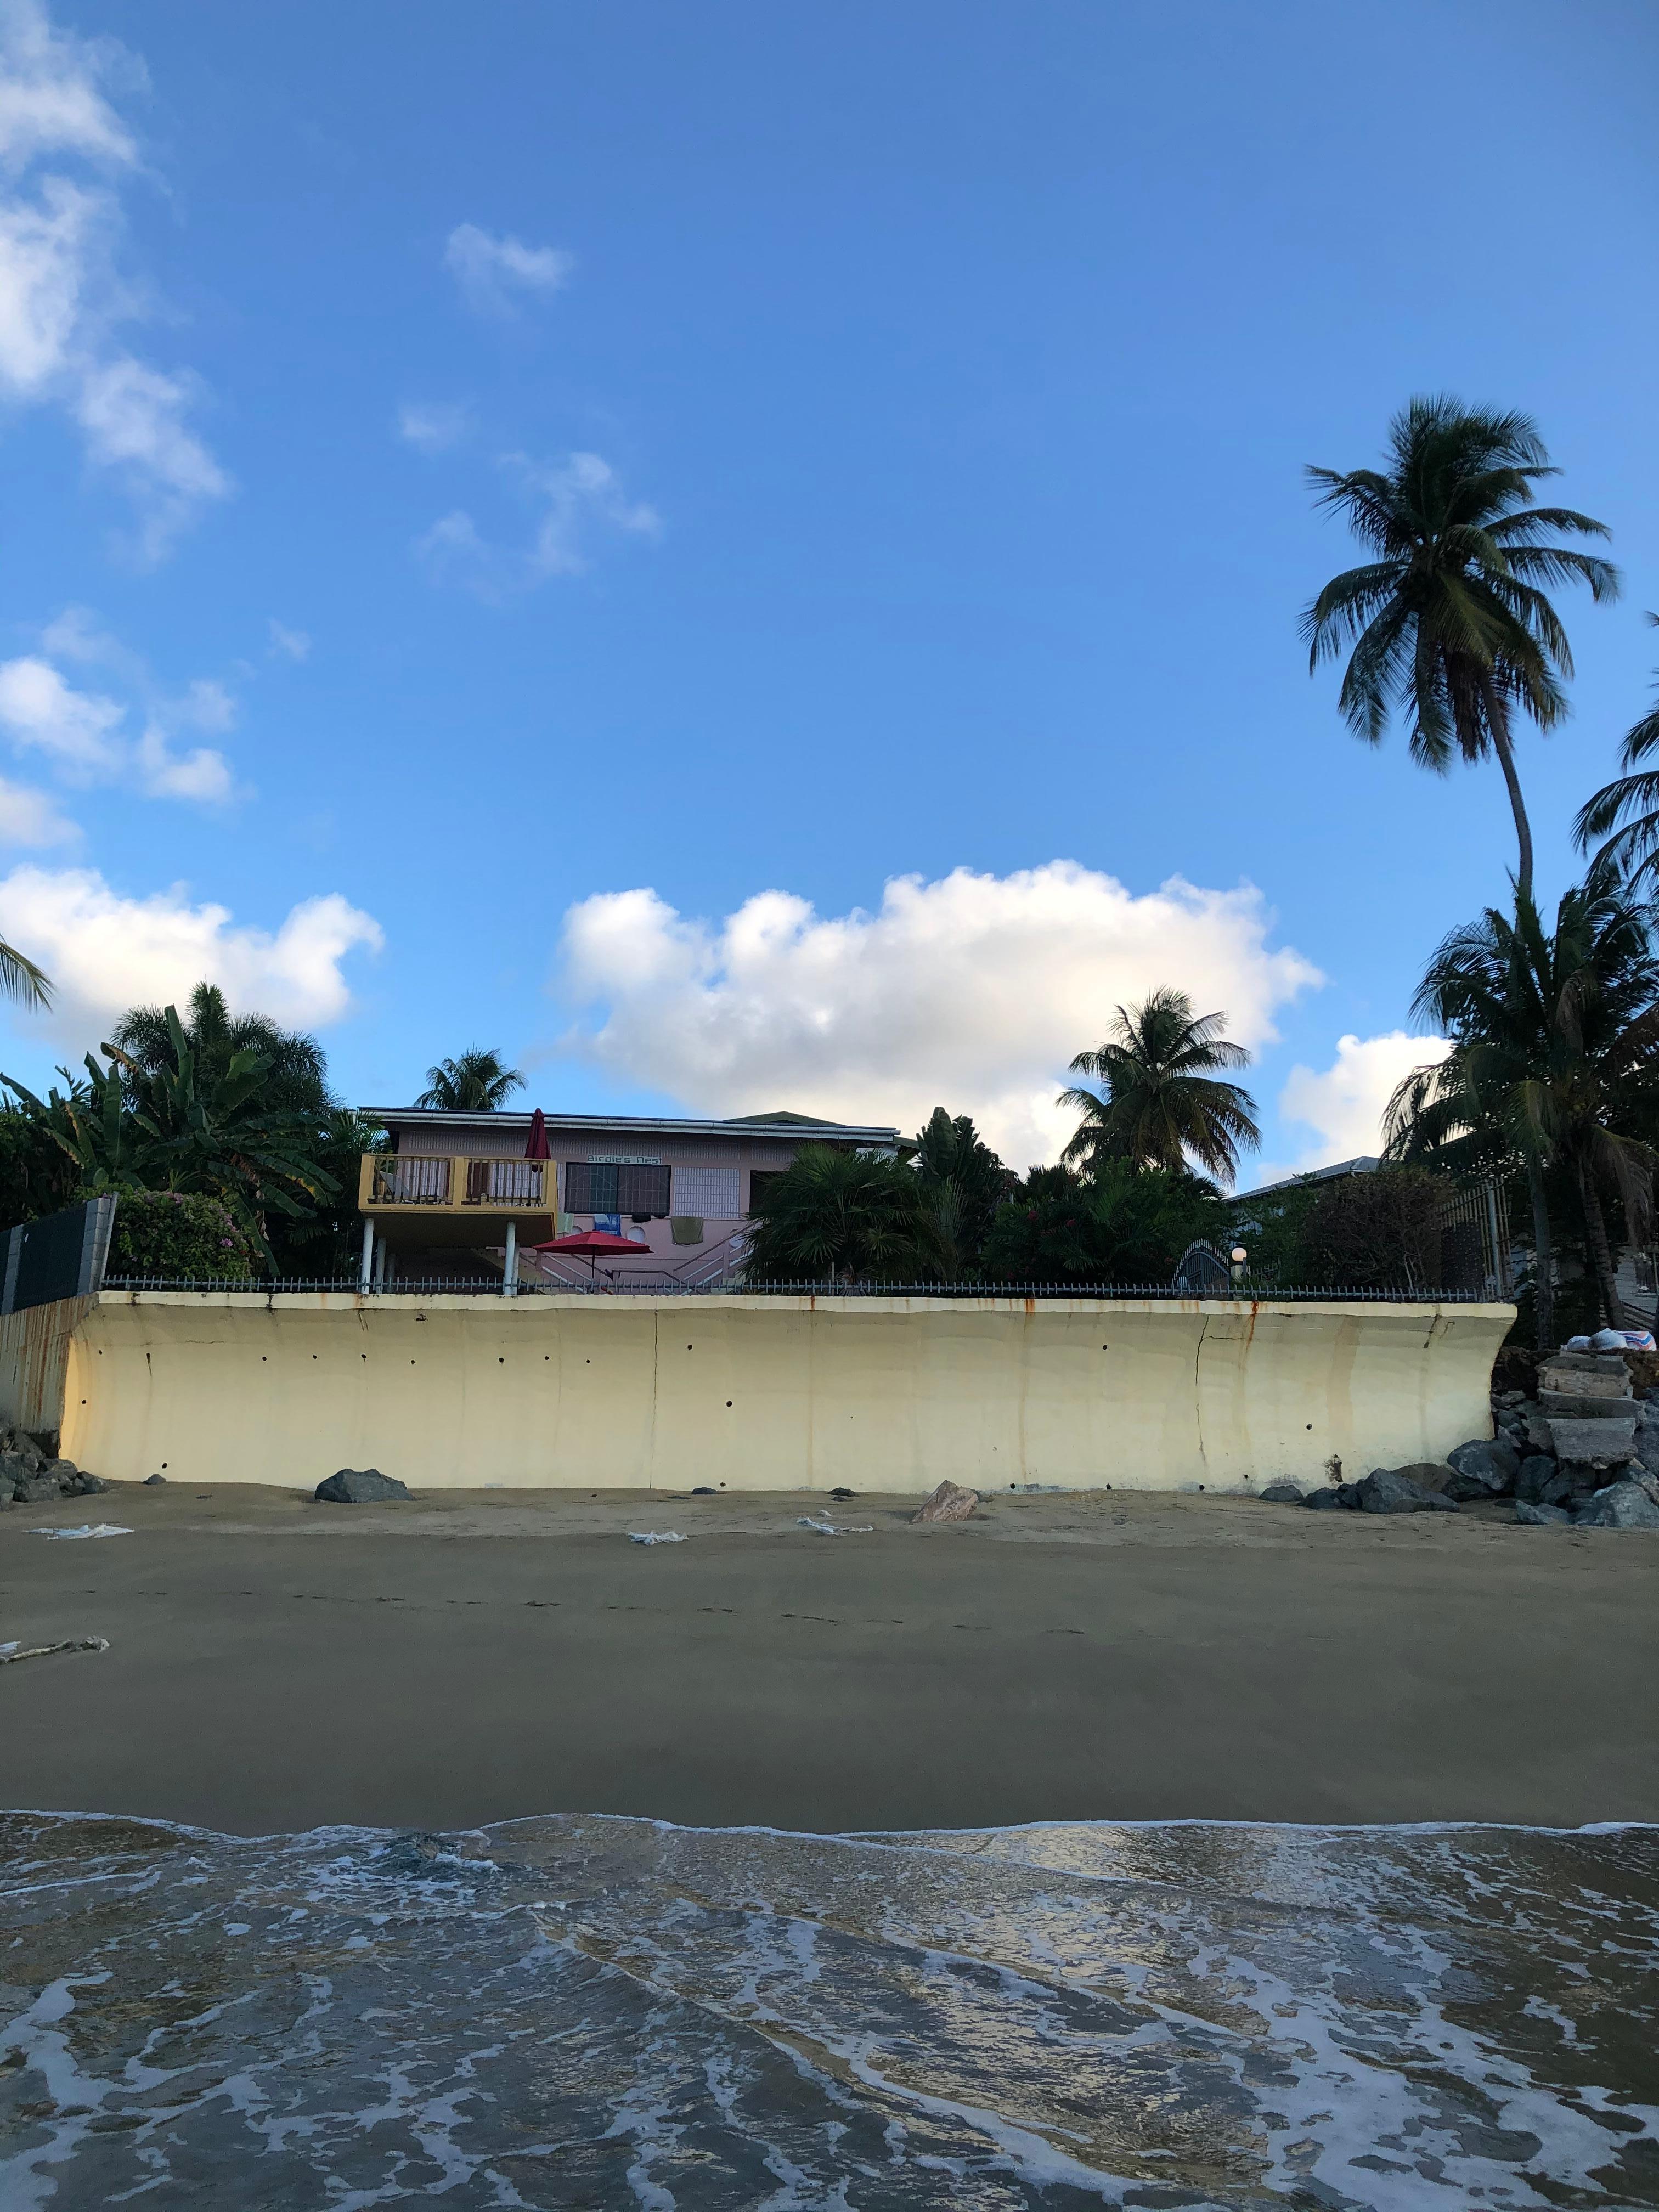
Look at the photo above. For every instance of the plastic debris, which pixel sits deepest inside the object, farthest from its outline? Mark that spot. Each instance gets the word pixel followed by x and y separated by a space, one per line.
pixel 828 1528
pixel 87 1528
pixel 11 1653
pixel 655 1536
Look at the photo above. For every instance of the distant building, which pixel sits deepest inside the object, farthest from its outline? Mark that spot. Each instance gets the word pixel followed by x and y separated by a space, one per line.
pixel 455 1192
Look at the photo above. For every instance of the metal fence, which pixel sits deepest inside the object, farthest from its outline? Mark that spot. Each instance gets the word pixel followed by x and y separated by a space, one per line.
pixel 1240 1293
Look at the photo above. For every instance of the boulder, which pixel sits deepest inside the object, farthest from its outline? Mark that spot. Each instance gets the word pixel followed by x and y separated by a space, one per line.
pixel 1541 1516
pixel 1322 1501
pixel 1585 1374
pixel 89 1485
pixel 1347 1493
pixel 17 1466
pixel 1537 1472
pixel 36 1489
pixel 1280 1493
pixel 359 1485
pixel 150 1480
pixel 1620 1505
pixel 1646 1441
pixel 1485 1467
pixel 1556 1406
pixel 1601 1445
pixel 1391 1490
pixel 950 1502
pixel 1426 1473
pixel 1539 1436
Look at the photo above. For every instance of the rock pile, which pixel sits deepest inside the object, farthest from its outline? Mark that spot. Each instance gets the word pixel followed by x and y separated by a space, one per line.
pixel 30 1476
pixel 1584 1453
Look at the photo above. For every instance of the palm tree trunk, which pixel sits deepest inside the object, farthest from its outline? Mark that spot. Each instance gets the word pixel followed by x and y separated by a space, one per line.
pixel 1600 1252
pixel 1543 1260
pixel 1500 737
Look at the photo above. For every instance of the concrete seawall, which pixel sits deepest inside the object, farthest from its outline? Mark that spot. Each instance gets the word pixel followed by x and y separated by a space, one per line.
pixel 757 1393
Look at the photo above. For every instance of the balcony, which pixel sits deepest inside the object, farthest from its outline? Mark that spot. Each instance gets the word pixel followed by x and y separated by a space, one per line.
pixel 457 1201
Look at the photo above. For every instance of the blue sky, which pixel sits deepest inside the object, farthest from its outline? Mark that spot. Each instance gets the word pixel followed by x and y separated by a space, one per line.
pixel 523 523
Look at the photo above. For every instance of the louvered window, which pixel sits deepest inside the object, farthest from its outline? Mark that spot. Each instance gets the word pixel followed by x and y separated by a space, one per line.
pixel 710 1191
pixel 616 1187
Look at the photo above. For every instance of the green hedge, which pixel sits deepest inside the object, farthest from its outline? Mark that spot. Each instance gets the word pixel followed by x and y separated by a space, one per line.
pixel 176 1233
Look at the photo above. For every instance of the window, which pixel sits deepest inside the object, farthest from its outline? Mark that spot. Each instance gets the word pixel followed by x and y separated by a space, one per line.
pixel 760 1181
pixel 633 1187
pixel 710 1191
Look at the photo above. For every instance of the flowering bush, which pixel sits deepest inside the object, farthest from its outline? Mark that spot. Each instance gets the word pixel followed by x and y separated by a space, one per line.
pixel 176 1233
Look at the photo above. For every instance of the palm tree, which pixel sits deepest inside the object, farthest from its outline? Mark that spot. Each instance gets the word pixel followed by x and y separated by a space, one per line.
pixel 21 980
pixel 474 1082
pixel 1450 622
pixel 296 1073
pixel 1163 1106
pixel 1552 1045
pixel 1626 812
pixel 856 1215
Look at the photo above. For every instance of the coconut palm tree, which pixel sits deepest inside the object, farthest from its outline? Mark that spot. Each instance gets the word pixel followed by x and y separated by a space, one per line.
pixel 21 980
pixel 1553 1036
pixel 476 1081
pixel 1449 623
pixel 1162 1105
pixel 1626 812
pixel 296 1073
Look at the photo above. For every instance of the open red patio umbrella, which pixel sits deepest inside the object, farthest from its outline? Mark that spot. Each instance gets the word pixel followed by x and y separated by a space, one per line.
pixel 592 1242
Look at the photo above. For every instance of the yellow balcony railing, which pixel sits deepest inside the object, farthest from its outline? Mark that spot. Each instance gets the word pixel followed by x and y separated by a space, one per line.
pixel 402 1181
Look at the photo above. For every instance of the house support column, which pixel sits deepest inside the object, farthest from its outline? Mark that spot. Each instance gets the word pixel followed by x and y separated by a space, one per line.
pixel 510 1272
pixel 367 1276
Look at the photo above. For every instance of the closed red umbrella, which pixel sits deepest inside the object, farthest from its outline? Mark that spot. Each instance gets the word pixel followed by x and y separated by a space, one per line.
pixel 535 1144
pixel 591 1241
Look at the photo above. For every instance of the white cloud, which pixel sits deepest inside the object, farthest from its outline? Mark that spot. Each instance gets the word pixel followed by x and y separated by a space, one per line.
pixel 1344 1104
pixel 492 272
pixel 104 951
pixel 61 297
pixel 83 733
pixel 434 426
pixel 39 709
pixel 581 503
pixel 31 817
pixel 973 991
pixel 290 644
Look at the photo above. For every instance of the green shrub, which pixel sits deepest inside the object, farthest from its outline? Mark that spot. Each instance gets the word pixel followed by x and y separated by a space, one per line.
pixel 178 1234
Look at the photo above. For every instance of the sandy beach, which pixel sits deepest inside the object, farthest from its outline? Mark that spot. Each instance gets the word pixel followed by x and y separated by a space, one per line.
pixel 275 1664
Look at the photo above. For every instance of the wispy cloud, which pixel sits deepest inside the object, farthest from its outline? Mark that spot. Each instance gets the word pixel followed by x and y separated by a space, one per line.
pixel 288 644
pixel 31 817
pixel 580 503
pixel 62 300
pixel 85 735
pixel 494 274
pixel 434 426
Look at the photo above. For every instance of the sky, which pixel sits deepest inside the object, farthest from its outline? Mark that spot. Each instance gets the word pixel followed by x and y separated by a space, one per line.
pixel 750 557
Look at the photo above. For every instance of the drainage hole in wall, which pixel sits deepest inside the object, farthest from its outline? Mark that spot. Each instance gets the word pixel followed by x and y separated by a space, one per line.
pixel 1311 1427
pixel 728 1402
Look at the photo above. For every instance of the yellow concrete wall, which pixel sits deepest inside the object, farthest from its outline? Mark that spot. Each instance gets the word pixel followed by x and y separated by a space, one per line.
pixel 767 1393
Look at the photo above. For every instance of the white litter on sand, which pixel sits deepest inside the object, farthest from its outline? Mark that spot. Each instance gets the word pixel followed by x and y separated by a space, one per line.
pixel 11 1653
pixel 655 1536
pixel 828 1528
pixel 87 1528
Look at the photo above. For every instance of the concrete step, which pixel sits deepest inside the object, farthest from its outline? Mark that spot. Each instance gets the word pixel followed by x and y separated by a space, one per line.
pixel 1593 1444
pixel 1569 1405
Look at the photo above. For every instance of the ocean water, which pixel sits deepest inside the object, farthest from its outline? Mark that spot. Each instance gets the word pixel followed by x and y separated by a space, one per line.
pixel 598 2012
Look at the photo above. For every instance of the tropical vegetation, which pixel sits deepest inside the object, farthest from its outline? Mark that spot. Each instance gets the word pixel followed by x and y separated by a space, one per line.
pixel 1161 1103
pixel 1449 622
pixel 476 1081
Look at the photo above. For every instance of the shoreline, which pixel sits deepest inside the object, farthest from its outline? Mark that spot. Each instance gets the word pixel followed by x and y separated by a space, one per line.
pixel 1121 1657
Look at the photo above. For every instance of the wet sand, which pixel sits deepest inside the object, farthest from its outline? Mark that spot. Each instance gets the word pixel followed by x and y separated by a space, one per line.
pixel 469 1657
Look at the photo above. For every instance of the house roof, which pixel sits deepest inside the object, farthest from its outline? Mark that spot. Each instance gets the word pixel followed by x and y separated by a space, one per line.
pixel 783 1125
pixel 1363 1164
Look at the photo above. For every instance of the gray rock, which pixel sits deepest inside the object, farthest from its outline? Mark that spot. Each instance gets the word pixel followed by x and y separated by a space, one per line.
pixel 359 1485
pixel 1597 1444
pixel 1556 1406
pixel 1347 1493
pixel 1426 1473
pixel 1391 1490
pixel 1322 1501
pixel 1620 1505
pixel 1537 1473
pixel 89 1485
pixel 150 1480
pixel 1539 1436
pixel 1582 1374
pixel 1646 1445
pixel 1490 1464
pixel 36 1489
pixel 1558 1491
pixel 1541 1516
pixel 17 1466
pixel 1280 1493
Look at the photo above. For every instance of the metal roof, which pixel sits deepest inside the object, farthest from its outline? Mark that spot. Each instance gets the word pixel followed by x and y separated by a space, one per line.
pixel 795 1131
